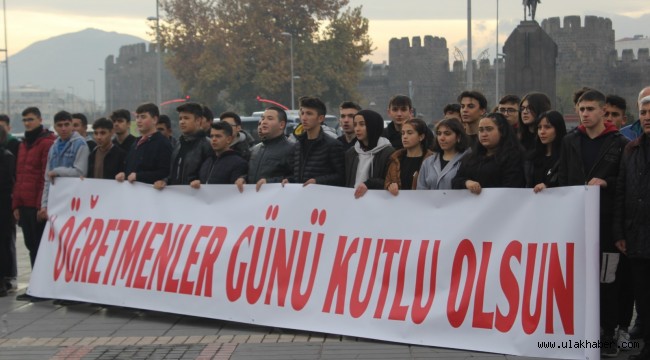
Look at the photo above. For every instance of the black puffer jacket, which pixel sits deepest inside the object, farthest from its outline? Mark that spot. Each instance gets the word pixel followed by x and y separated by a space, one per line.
pixel 632 209
pixel 322 161
pixel 223 169
pixel 271 160
pixel 187 158
pixel 149 161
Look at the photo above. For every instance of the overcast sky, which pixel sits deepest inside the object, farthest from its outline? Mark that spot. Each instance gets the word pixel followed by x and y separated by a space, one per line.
pixel 29 21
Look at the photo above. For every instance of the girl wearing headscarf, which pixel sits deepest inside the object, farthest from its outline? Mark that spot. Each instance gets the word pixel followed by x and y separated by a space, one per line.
pixel 366 162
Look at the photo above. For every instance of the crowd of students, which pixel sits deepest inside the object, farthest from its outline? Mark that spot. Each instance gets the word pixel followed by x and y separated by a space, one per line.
pixel 521 142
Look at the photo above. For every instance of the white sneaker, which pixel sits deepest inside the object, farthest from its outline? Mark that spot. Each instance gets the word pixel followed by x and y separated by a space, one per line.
pixel 623 340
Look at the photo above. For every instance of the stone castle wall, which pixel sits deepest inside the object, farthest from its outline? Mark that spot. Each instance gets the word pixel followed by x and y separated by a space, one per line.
pixel 586 57
pixel 131 78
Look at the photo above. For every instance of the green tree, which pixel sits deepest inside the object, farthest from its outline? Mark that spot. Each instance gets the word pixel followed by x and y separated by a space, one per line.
pixel 228 52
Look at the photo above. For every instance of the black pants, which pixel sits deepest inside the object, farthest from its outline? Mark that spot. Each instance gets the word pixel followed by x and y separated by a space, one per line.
pixel 8 266
pixel 32 230
pixel 625 292
pixel 641 274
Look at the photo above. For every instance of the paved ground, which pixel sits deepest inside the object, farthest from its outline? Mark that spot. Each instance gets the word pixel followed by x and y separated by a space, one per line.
pixel 85 331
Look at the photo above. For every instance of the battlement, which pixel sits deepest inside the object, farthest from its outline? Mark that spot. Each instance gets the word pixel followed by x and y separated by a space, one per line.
pixel 573 23
pixel 627 56
pixel 479 66
pixel 430 42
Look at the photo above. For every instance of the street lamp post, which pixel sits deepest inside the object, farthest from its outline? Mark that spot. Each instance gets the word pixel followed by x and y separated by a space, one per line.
pixel 470 65
pixel 6 51
pixel 293 102
pixel 496 65
pixel 158 55
pixel 94 99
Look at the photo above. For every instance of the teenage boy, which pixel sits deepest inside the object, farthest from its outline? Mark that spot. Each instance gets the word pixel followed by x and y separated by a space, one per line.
pixel 122 127
pixel 271 160
pixel 225 165
pixel 164 126
pixel 68 156
pixel 451 111
pixel 30 179
pixel 192 148
pixel 615 107
pixel 10 143
pixel 150 155
pixel 107 159
pixel 400 109
pixel 347 110
pixel 317 158
pixel 7 227
pixel 509 108
pixel 240 141
pixel 80 124
pixel 591 156
pixel 473 105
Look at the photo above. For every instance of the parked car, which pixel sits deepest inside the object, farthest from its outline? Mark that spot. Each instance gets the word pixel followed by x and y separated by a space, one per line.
pixel 293 120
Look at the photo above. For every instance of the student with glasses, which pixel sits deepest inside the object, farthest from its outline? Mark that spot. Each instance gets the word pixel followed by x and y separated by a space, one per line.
pixel 532 104
pixel 509 108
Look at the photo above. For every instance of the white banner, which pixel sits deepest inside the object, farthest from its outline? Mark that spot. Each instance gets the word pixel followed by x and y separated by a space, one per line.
pixel 507 271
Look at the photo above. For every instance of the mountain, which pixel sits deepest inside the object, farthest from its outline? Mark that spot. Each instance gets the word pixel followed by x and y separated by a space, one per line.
pixel 67 62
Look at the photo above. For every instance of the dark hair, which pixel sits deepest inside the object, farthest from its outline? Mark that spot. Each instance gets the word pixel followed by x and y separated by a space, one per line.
pixel 164 120
pixel 4 118
pixel 556 120
pixel 121 114
pixel 451 108
pixel 593 95
pixel 617 101
pixel 476 95
pixel 282 115
pixel 150 108
pixel 350 105
pixel 230 114
pixel 3 138
pixel 457 127
pixel 537 104
pixel 82 117
pixel 374 126
pixel 32 110
pixel 510 99
pixel 224 126
pixel 191 107
pixel 422 129
pixel 103 123
pixel 578 93
pixel 400 100
pixel 508 144
pixel 313 103
pixel 208 114
pixel 62 116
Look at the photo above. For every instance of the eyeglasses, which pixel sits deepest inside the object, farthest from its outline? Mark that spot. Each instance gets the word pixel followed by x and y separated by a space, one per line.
pixel 526 109
pixel 506 111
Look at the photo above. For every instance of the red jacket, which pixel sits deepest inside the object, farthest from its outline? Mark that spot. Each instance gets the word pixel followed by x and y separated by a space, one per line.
pixel 30 171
